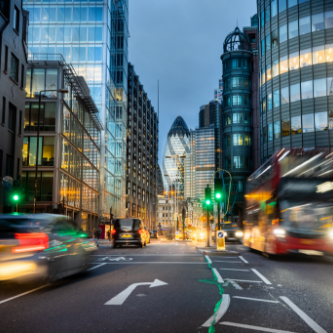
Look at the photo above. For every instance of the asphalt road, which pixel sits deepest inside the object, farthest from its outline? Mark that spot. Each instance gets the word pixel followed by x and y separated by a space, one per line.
pixel 173 287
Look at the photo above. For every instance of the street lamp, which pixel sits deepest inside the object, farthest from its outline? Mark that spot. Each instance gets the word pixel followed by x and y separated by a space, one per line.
pixel 62 91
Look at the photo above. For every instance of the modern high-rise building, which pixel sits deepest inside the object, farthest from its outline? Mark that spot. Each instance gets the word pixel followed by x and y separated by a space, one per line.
pixel 218 93
pixel 240 106
pixel 142 153
pixel 177 145
pixel 13 64
pixel 92 36
pixel 296 74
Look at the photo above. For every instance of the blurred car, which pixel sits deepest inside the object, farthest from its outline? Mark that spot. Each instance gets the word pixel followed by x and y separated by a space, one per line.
pixel 232 232
pixel 45 246
pixel 129 232
pixel 147 236
pixel 153 234
pixel 200 235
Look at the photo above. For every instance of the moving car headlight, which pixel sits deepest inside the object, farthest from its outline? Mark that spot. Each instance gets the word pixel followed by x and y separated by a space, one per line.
pixel 201 234
pixel 330 234
pixel 239 233
pixel 225 234
pixel 278 232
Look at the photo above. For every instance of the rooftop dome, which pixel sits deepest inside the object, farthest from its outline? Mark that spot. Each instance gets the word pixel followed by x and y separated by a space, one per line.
pixel 179 128
pixel 237 41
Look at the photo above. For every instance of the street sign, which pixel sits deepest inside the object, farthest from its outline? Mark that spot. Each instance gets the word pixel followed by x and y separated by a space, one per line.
pixel 177 234
pixel 220 240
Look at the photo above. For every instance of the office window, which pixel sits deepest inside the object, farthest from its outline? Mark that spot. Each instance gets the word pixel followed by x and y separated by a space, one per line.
pixel 247 140
pixel 16 19
pixel 294 61
pixel 20 123
pixel 269 72
pixel 12 117
pixel 285 127
pixel 277 129
pixel 276 98
pixel 304 25
pixel 319 87
pixel 308 123
pixel 329 52
pixel 317 22
pixel 9 166
pixel 227 162
pixel 268 42
pixel 3 118
pixel 330 121
pixel 228 140
pixel 51 82
pixel 238 162
pixel 329 19
pixel 236 82
pixel 302 1
pixel 307 89
pixel 270 132
pixel 282 5
pixel 264 104
pixel 284 64
pixel 276 67
pixel 247 118
pixel 237 140
pixel 237 118
pixel 284 95
pixel 305 57
pixel 273 8
pixel 14 68
pixel 263 76
pixel 283 33
pixel 319 54
pixel 295 93
pixel 22 76
pixel 227 100
pixel 6 59
pixel 263 47
pixel 262 18
pixel 269 101
pixel 329 86
pixel 267 13
pixel 321 121
pixel 296 125
pixel 275 38
pixel 227 119
pixel 293 29
pixel 292 3
pixel 265 134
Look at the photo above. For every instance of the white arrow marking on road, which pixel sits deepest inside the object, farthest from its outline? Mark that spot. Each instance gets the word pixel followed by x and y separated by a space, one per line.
pixel 121 297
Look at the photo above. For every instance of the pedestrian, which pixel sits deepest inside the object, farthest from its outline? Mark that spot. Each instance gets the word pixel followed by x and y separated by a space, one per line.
pixel 109 235
pixel 99 232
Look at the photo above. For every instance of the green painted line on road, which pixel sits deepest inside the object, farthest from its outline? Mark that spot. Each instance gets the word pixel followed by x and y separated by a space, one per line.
pixel 221 292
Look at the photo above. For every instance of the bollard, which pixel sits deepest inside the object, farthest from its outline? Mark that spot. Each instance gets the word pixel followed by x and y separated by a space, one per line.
pixel 220 240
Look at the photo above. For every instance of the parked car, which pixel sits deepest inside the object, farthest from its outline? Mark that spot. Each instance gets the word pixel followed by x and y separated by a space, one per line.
pixel 147 236
pixel 45 246
pixel 153 234
pixel 129 231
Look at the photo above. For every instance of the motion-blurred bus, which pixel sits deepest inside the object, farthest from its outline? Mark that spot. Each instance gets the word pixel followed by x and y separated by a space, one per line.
pixel 289 204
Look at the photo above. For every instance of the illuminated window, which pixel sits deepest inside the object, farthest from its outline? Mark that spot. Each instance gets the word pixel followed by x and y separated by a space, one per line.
pixel 293 61
pixel 237 140
pixel 264 104
pixel 276 67
pixel 227 119
pixel 307 89
pixel 296 125
pixel 263 76
pixel 329 52
pixel 285 127
pixel 238 162
pixel 308 123
pixel 306 57
pixel 319 54
pixel 247 140
pixel 269 72
pixel 284 64
pixel 321 121
pixel 237 118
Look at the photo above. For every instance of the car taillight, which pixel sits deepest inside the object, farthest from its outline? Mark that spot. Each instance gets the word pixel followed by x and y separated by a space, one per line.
pixel 31 242
pixel 140 231
pixel 113 231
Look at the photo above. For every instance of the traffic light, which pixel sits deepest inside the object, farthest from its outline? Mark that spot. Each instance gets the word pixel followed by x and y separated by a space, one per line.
pixel 17 194
pixel 218 188
pixel 208 196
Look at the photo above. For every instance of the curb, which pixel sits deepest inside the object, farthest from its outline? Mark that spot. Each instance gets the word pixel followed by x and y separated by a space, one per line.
pixel 221 253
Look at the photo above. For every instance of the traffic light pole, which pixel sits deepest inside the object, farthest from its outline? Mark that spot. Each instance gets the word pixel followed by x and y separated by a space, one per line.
pixel 218 215
pixel 208 226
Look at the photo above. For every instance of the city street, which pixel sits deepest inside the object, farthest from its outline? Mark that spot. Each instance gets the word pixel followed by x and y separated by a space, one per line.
pixel 173 287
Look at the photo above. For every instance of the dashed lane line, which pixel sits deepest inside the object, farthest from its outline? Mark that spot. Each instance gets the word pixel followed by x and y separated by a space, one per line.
pixel 245 261
pixel 219 277
pixel 208 260
pixel 256 299
pixel 247 281
pixel 303 315
pixel 261 276
pixel 154 262
pixel 235 284
pixel 148 255
pixel 228 262
pixel 251 327
pixel 234 269
pixel 91 268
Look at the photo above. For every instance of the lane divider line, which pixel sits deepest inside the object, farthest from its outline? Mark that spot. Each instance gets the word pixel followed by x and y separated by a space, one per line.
pixel 152 262
pixel 236 285
pixel 219 313
pixel 249 281
pixel 228 262
pixel 234 269
pixel 90 269
pixel 240 257
pixel 219 277
pixel 27 292
pixel 303 315
pixel 208 260
pixel 257 299
pixel 261 276
pixel 251 327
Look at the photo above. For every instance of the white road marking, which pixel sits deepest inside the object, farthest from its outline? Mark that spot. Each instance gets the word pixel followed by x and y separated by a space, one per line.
pixel 27 292
pixel 220 312
pixel 256 299
pixel 90 269
pixel 234 269
pixel 236 285
pixel 208 260
pixel 219 277
pixel 154 262
pixel 261 276
pixel 146 255
pixel 240 257
pixel 229 262
pixel 257 328
pixel 121 297
pixel 249 281
pixel 303 315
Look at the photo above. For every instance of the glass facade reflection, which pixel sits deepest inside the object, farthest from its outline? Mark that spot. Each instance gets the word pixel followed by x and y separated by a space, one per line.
pixel 92 36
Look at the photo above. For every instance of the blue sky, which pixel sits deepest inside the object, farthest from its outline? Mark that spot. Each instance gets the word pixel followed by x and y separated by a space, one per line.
pixel 180 43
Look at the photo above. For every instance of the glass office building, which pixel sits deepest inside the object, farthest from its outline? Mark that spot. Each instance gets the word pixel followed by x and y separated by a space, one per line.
pixel 296 74
pixel 92 36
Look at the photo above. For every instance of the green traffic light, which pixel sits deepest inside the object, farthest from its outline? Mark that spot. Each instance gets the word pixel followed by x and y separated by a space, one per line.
pixel 15 197
pixel 207 202
pixel 218 195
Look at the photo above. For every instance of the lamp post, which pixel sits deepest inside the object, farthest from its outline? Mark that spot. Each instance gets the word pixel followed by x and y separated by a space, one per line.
pixel 63 91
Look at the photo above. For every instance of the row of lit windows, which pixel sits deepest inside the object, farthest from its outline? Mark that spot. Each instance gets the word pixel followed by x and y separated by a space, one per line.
pixel 307 123
pixel 238 140
pixel 319 55
pixel 296 92
pixel 304 25
pixel 236 82
pixel 237 100
pixel 237 118
pixel 236 63
pixel 239 162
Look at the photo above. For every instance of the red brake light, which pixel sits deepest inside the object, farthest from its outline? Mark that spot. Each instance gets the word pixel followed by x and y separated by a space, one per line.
pixel 140 231
pixel 31 242
pixel 113 231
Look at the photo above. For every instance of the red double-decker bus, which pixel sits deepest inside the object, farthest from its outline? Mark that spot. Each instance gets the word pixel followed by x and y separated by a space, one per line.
pixel 289 203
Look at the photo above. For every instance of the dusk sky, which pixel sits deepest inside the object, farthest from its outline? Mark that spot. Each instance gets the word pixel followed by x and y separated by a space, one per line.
pixel 180 43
